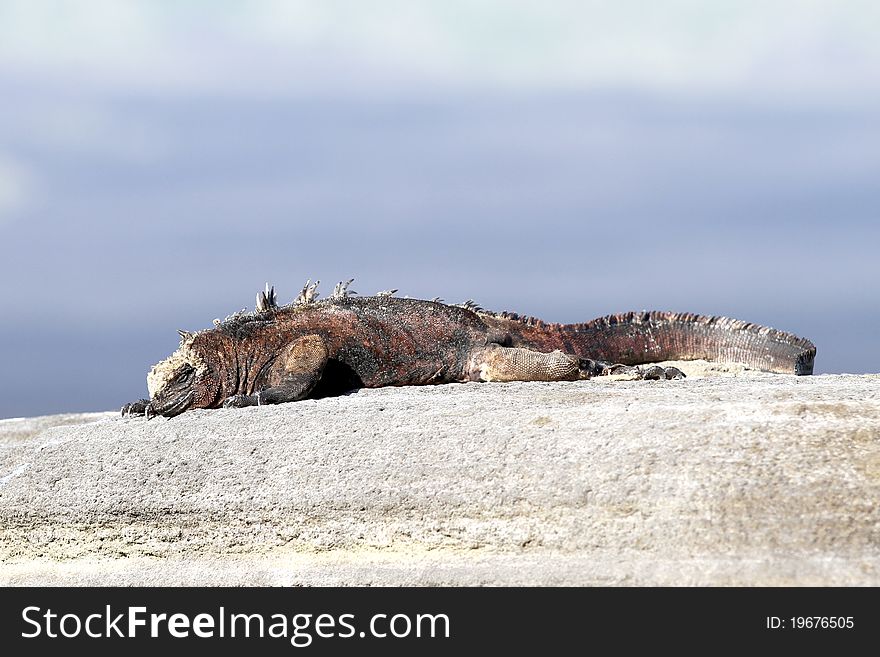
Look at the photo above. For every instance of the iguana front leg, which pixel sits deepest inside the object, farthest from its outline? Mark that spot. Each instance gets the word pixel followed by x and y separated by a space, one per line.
pixel 497 363
pixel 138 407
pixel 293 375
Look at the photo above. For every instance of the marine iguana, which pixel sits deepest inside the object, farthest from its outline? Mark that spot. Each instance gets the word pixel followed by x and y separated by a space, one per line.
pixel 313 348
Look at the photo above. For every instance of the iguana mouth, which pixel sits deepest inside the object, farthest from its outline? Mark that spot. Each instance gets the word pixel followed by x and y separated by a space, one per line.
pixel 171 407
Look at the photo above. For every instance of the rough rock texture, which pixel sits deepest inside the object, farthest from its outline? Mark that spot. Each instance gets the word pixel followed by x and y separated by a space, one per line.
pixel 743 479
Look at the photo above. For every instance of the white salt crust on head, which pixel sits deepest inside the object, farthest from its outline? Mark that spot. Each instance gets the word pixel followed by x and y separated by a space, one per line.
pixel 162 372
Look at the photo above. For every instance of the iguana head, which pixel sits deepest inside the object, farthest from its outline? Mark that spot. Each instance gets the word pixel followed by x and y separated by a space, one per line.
pixel 181 381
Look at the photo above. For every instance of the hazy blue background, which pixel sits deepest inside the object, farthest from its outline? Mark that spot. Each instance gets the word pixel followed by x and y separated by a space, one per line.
pixel 160 161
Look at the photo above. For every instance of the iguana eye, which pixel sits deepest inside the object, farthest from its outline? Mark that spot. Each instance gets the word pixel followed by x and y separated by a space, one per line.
pixel 182 375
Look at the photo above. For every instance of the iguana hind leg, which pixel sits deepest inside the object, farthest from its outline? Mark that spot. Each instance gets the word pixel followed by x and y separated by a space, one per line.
pixel 497 363
pixel 292 376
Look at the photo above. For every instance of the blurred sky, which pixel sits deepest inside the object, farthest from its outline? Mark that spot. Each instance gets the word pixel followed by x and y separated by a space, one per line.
pixel 160 161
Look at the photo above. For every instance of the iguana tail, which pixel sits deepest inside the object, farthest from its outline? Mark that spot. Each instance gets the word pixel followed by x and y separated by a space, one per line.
pixel 639 337
pixel 644 337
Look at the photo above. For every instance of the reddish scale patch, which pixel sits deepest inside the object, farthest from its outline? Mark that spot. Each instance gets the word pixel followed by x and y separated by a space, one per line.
pixel 374 341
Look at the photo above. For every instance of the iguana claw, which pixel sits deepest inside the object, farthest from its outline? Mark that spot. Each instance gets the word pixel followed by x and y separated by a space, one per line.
pixel 135 408
pixel 649 373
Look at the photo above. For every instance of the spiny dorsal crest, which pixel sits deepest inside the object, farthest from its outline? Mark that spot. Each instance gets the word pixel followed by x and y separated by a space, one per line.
pixel 266 300
pixel 238 314
pixel 185 336
pixel 341 290
pixel 309 293
pixel 522 319
pixel 470 304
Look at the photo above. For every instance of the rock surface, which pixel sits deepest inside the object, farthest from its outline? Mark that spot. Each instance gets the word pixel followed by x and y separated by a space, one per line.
pixel 736 479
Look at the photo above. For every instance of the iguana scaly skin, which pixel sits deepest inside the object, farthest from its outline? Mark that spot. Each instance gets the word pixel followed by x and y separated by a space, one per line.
pixel 319 348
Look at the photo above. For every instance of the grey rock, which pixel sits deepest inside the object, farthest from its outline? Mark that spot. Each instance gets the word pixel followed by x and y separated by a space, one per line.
pixel 725 478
